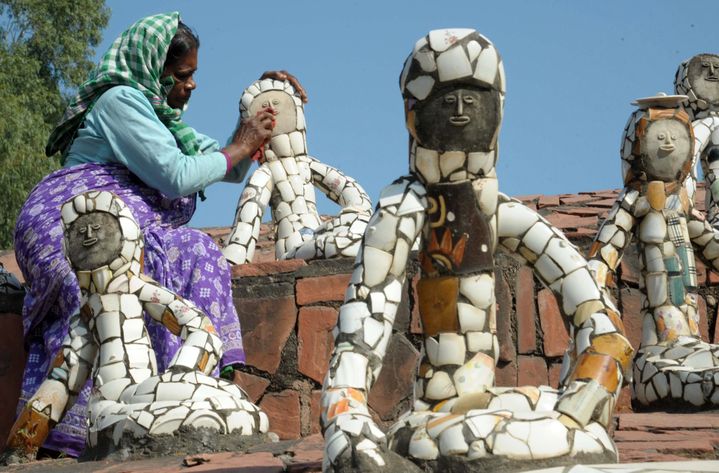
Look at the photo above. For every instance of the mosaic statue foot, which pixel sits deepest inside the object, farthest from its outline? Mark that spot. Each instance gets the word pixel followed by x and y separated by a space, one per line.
pixel 677 375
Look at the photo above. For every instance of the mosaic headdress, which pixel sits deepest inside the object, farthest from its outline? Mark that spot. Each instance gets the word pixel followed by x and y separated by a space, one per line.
pixel 651 109
pixel 127 252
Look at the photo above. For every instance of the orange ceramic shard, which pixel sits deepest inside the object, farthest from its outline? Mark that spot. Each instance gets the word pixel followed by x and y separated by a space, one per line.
pixel 616 346
pixel 59 359
pixel 616 320
pixel 29 431
pixel 599 367
pixel 655 195
pixel 170 321
pixel 86 312
pixel 441 420
pixel 339 407
pixel 203 361
pixel 356 394
pixel 437 301
pixel 596 246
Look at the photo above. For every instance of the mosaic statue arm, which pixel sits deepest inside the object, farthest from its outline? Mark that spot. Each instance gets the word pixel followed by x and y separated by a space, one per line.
pixel 705 238
pixel 612 239
pixel 339 187
pixel 364 325
pixel 69 372
pixel 202 348
pixel 600 354
pixel 241 242
pixel 709 158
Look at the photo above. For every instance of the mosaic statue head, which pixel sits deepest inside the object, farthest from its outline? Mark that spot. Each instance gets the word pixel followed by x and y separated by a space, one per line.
pixel 453 89
pixel 288 135
pixel 101 233
pixel 698 79
pixel 658 141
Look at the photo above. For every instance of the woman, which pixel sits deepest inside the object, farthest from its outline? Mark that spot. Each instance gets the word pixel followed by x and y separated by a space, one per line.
pixel 123 133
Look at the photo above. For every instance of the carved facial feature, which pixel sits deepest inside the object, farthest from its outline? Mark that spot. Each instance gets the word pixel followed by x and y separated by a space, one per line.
pixel 94 240
pixel 704 77
pixel 666 147
pixel 458 119
pixel 283 106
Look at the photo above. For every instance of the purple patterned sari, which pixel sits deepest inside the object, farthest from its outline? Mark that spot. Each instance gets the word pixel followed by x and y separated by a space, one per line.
pixel 180 258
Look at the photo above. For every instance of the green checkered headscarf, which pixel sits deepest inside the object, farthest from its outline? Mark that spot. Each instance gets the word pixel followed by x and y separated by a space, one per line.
pixel 135 59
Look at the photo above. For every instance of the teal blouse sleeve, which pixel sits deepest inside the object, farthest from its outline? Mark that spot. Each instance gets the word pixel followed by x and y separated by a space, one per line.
pixel 122 128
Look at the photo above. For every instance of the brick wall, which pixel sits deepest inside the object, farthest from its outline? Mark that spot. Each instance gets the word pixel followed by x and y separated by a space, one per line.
pixel 288 308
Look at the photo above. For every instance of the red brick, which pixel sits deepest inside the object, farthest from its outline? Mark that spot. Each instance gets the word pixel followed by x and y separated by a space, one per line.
pixel 586 211
pixel 322 289
pixel 562 220
pixel 713 278
pixel 526 313
pixel 548 201
pixel 604 203
pixel 555 336
pixel 668 421
pixel 266 326
pixel 716 326
pixel 253 385
pixel 315 411
pixel 283 411
pixel 703 323
pixel 507 352
pixel 631 315
pixel 532 371
pixel 394 383
pixel 315 341
pixel 624 401
pixel 629 270
pixel 555 369
pixel 506 374
pixel 265 269
pixel 701 272
pixel 568 199
pixel 12 364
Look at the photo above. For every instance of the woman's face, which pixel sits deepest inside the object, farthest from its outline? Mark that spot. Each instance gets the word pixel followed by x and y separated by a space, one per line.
pixel 182 71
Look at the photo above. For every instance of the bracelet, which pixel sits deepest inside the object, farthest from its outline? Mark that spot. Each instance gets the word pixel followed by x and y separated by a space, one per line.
pixel 228 159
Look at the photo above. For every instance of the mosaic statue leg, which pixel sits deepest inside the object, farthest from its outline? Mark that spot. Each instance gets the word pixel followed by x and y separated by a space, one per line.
pixel 240 247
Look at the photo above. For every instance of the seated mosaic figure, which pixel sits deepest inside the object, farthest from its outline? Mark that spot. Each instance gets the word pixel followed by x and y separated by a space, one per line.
pixel 698 79
pixel 673 366
pixel 453 88
pixel 286 179
pixel 108 341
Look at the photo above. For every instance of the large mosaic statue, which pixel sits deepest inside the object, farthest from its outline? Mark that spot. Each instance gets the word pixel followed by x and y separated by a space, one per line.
pixel 286 179
pixel 673 365
pixel 698 79
pixel 108 341
pixel 453 88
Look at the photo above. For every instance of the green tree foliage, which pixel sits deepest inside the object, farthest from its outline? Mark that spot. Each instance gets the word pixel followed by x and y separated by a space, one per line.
pixel 46 48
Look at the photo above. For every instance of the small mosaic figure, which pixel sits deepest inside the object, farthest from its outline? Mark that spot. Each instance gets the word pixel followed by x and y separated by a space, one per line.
pixel 673 365
pixel 108 340
pixel 286 179
pixel 453 87
pixel 698 79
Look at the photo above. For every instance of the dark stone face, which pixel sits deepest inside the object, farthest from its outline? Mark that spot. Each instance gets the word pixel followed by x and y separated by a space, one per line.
pixel 94 240
pixel 704 77
pixel 458 119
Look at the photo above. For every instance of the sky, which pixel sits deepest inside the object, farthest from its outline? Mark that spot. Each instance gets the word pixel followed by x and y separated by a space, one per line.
pixel 572 66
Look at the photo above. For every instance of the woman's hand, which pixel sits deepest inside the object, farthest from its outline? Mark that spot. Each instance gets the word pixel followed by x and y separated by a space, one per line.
pixel 252 134
pixel 284 75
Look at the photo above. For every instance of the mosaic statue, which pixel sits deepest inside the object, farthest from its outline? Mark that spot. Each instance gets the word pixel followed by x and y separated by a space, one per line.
pixel 286 179
pixel 673 365
pixel 698 79
pixel 109 342
pixel 453 88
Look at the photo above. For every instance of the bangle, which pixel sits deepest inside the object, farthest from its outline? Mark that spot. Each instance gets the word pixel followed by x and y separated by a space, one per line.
pixel 228 159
